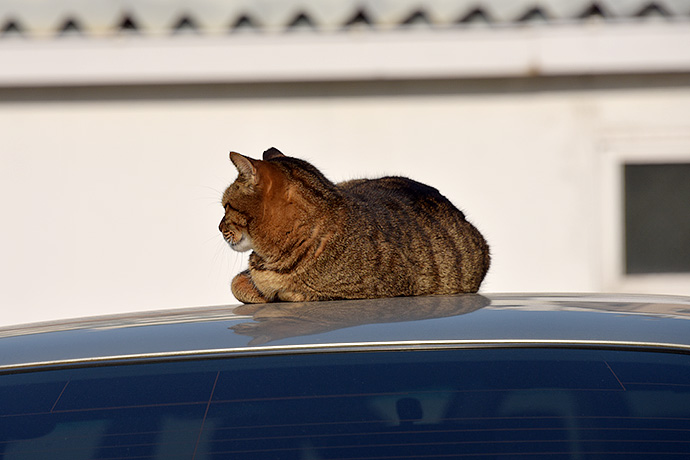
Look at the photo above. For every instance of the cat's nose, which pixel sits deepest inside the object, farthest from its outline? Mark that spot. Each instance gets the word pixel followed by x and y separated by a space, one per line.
pixel 221 226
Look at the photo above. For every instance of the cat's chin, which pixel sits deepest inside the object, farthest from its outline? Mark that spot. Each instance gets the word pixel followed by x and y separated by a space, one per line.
pixel 243 245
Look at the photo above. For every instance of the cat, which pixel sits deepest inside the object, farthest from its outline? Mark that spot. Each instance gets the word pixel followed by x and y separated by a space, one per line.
pixel 312 239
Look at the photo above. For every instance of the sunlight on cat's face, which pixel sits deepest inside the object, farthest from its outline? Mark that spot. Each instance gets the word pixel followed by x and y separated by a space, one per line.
pixel 233 226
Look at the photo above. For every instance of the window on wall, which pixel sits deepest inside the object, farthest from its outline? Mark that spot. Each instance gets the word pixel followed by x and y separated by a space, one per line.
pixel 656 218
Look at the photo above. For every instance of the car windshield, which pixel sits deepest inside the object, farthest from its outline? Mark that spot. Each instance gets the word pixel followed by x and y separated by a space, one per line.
pixel 434 404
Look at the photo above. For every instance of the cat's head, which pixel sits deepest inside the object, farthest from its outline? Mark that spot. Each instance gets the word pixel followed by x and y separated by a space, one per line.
pixel 243 199
pixel 275 203
pixel 263 203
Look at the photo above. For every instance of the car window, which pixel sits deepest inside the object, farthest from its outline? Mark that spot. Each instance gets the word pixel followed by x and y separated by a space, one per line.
pixel 480 403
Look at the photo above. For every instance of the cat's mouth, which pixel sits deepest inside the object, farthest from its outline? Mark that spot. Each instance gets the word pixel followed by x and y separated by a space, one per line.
pixel 239 242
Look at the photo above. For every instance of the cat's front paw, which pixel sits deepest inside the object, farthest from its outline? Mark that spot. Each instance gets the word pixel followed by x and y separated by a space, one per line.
pixel 244 290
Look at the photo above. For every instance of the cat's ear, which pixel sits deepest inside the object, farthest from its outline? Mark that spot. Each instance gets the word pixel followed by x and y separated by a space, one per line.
pixel 244 166
pixel 272 153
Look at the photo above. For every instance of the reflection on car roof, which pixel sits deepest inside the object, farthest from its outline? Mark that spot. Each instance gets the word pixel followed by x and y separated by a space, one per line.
pixel 463 320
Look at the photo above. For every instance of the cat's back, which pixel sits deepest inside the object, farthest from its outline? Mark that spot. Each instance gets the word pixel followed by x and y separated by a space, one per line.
pixel 398 194
pixel 412 231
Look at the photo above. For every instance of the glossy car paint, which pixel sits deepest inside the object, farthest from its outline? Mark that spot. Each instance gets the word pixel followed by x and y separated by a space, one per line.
pixel 655 322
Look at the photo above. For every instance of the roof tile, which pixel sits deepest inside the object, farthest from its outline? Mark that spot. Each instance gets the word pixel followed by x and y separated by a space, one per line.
pixel 159 17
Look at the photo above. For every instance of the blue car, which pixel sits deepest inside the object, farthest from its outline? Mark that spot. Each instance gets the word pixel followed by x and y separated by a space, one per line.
pixel 467 377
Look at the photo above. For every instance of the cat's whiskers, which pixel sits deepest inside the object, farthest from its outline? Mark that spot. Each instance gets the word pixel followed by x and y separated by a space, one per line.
pixel 224 260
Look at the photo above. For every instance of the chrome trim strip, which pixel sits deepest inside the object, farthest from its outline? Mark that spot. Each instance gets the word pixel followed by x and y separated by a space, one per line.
pixel 346 347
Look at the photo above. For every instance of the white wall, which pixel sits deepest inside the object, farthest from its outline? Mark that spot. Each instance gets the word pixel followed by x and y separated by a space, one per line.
pixel 112 205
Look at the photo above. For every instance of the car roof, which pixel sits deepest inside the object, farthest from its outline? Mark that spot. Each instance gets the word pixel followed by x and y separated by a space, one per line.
pixel 472 320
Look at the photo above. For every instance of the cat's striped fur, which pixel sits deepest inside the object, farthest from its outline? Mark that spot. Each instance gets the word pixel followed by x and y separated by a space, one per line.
pixel 312 239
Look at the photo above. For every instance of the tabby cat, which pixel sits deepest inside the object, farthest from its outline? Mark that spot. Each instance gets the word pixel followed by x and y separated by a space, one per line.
pixel 316 240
